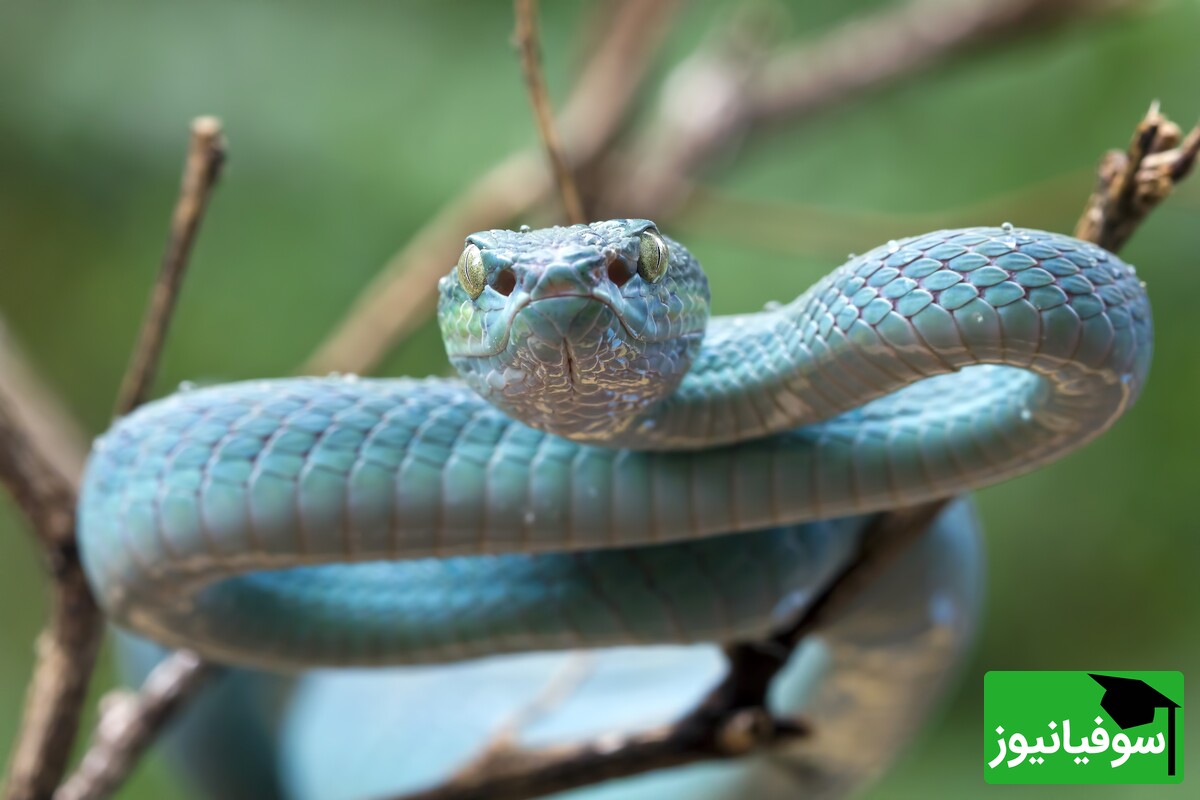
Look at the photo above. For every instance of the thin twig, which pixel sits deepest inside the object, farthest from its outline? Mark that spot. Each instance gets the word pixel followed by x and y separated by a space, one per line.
pixel 535 83
pixel 129 724
pixel 200 172
pixel 739 701
pixel 402 296
pixel 1131 182
pixel 44 495
pixel 708 102
pixel 807 229
pixel 736 92
pixel 40 412
pixel 122 736
pixel 67 648
pixel 731 721
pixel 523 774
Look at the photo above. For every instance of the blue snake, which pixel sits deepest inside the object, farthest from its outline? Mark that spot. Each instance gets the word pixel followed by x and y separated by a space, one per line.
pixel 614 471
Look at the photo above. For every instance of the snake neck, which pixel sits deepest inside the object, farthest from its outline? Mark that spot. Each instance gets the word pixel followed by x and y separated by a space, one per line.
pixel 1070 313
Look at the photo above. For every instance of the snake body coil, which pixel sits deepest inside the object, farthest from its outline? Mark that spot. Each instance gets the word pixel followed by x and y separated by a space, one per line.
pixel 651 486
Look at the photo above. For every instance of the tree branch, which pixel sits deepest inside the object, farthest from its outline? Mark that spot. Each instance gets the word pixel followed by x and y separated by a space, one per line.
pixel 535 83
pixel 732 720
pixel 67 648
pixel 403 294
pixel 201 170
pixel 39 412
pixel 1130 183
pixel 129 724
pixel 717 98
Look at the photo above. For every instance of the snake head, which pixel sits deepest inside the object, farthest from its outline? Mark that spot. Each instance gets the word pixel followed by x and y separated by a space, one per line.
pixel 574 330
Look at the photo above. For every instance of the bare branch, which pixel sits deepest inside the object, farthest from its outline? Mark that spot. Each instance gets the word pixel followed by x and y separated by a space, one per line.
pixel 900 41
pixel 129 724
pixel 535 83
pixel 200 172
pixel 45 497
pixel 522 774
pixel 67 648
pixel 402 296
pixel 66 653
pixel 1130 183
pixel 732 720
pixel 40 413
pixel 714 100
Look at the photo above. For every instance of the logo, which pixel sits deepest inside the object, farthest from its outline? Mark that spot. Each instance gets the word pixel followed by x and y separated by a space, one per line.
pixel 1083 727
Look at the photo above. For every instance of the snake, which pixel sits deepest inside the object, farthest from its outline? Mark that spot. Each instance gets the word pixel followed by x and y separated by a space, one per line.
pixel 613 471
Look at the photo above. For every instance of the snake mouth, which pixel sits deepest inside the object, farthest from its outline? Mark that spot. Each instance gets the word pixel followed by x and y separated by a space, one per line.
pixel 528 302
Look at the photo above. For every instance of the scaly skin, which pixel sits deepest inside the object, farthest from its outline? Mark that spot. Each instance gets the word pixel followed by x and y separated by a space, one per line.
pixel 303 522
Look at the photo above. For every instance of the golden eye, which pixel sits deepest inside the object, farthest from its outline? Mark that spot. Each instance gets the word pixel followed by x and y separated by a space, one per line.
pixel 470 271
pixel 653 256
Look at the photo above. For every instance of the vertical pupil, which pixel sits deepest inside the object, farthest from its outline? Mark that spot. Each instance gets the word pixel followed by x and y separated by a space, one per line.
pixel 470 271
pixel 652 253
pixel 649 254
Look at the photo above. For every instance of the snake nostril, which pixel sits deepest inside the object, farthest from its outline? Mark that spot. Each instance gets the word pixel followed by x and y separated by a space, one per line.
pixel 619 272
pixel 505 281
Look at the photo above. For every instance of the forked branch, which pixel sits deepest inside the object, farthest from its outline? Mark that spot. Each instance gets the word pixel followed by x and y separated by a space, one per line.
pixel 67 648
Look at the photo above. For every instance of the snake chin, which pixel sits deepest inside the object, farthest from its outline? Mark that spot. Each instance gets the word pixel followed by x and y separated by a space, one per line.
pixel 570 367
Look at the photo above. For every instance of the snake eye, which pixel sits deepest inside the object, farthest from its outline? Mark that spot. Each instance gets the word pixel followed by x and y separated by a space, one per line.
pixel 470 271
pixel 653 256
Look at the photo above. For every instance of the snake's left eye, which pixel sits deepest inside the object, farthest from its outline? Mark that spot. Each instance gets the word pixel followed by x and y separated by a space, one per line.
pixel 653 256
pixel 470 271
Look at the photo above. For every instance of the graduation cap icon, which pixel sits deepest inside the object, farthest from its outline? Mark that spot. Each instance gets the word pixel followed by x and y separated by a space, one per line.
pixel 1132 702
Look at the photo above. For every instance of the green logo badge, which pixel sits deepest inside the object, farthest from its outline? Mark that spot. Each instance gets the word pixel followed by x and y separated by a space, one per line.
pixel 1083 727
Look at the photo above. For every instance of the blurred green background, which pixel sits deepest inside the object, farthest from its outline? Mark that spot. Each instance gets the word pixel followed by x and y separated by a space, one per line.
pixel 350 124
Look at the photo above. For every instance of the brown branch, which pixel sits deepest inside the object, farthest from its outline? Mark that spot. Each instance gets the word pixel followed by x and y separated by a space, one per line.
pixel 200 172
pixel 402 296
pixel 901 41
pixel 715 99
pixel 521 774
pixel 67 648
pixel 1130 183
pixel 535 83
pixel 129 724
pixel 44 495
pixel 40 413
pixel 732 720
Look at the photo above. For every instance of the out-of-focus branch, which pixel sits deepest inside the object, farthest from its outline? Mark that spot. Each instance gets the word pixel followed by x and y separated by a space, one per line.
pixel 1131 182
pixel 808 229
pixel 39 412
pixel 402 296
pixel 67 648
pixel 902 40
pixel 201 170
pixel 714 99
pixel 733 720
pixel 520 774
pixel 44 495
pixel 129 724
pixel 529 46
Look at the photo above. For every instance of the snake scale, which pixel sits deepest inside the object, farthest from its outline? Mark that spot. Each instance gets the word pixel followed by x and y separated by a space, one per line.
pixel 613 468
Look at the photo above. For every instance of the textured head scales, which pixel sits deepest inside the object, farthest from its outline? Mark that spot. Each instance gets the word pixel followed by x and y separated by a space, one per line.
pixel 566 330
